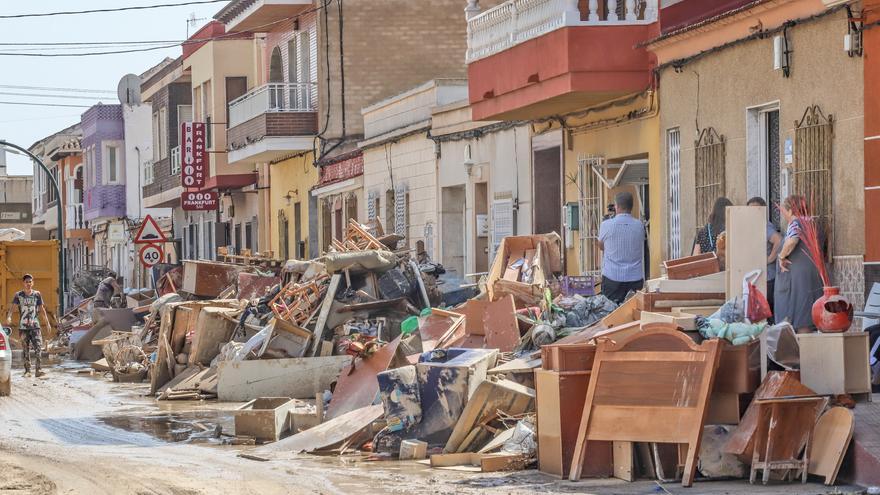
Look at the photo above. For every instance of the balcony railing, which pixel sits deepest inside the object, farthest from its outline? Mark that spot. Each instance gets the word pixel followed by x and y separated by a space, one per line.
pixel 273 97
pixel 75 217
pixel 175 160
pixel 516 21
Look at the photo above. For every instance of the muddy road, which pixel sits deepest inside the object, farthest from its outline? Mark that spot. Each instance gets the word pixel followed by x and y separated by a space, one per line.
pixel 72 433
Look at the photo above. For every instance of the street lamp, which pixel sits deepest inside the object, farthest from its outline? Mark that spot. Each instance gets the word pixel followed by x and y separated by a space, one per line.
pixel 18 150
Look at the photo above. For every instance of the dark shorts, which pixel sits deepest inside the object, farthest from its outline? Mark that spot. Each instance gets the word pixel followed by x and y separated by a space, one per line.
pixel 617 291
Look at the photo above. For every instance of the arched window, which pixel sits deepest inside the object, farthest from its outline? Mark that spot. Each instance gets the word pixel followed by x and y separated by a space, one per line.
pixel 276 69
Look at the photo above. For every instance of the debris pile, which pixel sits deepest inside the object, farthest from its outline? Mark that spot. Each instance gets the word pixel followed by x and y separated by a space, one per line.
pixel 353 351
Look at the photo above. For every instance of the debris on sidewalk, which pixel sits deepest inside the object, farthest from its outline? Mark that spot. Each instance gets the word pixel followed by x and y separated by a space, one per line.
pixel 350 352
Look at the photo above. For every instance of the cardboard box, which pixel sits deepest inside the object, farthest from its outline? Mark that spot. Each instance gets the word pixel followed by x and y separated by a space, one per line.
pixel 546 260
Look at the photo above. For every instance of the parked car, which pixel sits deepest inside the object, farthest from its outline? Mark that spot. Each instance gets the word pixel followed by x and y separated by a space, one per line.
pixel 5 363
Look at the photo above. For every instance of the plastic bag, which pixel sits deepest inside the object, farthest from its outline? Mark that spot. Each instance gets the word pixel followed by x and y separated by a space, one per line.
pixel 757 307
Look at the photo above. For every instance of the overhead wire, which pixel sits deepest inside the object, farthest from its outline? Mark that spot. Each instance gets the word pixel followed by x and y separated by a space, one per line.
pixel 115 9
pixel 44 104
pixel 49 88
pixel 43 95
pixel 171 44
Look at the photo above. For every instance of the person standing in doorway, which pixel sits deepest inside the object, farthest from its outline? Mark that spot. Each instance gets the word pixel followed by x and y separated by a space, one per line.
pixel 774 244
pixel 30 304
pixel 622 241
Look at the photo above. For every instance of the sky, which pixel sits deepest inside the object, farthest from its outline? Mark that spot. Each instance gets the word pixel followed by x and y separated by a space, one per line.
pixel 24 125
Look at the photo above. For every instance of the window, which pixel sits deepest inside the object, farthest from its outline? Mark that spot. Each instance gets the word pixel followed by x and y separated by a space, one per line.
pixel 51 190
pixel 163 133
pixel 389 212
pixel 184 114
pixel 148 172
pixel 209 240
pixel 673 159
pixel 813 136
pixel 112 165
pixel 709 170
pixel 156 131
pixel 591 207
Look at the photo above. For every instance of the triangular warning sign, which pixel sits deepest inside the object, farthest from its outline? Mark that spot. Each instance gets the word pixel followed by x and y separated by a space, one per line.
pixel 149 232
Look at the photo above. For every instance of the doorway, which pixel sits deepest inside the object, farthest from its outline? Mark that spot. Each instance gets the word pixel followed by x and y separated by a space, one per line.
pixel 764 160
pixel 453 241
pixel 297 231
pixel 481 215
pixel 547 171
pixel 283 236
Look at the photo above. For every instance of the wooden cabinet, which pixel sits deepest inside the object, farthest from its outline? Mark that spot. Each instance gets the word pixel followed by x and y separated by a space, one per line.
pixel 835 363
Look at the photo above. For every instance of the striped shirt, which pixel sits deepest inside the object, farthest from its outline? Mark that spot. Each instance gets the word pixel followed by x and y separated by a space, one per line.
pixel 624 253
pixel 793 230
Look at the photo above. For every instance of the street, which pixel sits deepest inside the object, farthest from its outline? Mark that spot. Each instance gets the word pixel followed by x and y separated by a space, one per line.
pixel 77 433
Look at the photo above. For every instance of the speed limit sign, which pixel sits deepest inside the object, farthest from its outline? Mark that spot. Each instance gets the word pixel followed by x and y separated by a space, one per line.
pixel 151 254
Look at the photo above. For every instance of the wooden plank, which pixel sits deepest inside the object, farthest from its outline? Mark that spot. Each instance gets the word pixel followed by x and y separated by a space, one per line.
pixel 831 437
pixel 683 321
pixel 509 462
pixel 695 310
pixel 455 459
pixel 325 313
pixel 714 282
pixel 627 312
pixel 623 461
pixel 746 231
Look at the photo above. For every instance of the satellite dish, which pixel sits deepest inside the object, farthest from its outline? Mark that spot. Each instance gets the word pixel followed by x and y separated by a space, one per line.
pixel 129 90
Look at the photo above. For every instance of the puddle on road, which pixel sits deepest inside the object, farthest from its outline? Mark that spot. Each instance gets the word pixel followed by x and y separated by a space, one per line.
pixel 175 427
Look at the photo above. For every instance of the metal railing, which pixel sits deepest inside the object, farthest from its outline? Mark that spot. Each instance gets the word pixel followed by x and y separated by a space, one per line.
pixel 175 160
pixel 516 21
pixel 75 219
pixel 273 97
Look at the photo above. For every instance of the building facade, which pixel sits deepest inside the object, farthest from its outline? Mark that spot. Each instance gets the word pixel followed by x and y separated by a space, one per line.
pixel 104 202
pixel 16 196
pixel 400 163
pixel 579 74
pixel 484 186
pixel 741 118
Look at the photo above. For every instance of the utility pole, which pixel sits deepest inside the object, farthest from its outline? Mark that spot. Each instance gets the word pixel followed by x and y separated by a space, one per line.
pixel 54 183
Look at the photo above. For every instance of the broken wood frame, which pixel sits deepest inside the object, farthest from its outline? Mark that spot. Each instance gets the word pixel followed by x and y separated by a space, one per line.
pixel 771 416
pixel 655 377
pixel 692 266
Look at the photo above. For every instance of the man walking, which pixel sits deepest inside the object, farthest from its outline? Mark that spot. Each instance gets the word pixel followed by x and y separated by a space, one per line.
pixel 30 305
pixel 622 241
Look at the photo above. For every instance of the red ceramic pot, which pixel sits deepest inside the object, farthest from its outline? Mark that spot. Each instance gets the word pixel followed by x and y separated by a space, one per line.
pixel 832 313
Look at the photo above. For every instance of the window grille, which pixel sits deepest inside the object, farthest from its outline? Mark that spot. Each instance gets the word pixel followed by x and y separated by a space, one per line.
pixel 709 162
pixel 673 158
pixel 811 175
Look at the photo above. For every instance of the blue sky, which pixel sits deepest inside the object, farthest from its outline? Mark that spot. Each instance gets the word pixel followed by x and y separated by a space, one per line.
pixel 23 125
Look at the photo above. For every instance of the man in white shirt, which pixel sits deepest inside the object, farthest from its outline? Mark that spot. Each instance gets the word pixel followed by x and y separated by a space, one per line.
pixel 622 241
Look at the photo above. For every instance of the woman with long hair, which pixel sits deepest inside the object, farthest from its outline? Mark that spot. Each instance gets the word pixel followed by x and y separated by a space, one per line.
pixel 707 237
pixel 798 283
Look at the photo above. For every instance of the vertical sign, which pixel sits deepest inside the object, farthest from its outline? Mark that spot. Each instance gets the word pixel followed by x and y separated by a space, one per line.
pixel 193 156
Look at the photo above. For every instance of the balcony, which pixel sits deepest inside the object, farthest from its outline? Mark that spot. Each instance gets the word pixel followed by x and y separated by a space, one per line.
pixel 271 121
pixel 534 58
pixel 259 15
